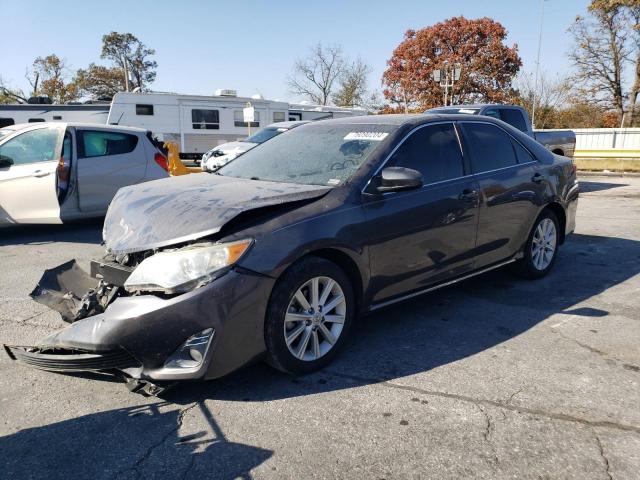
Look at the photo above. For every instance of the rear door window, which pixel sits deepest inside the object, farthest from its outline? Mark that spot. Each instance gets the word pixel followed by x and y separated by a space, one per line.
pixel 489 146
pixel 434 151
pixel 33 146
pixel 102 143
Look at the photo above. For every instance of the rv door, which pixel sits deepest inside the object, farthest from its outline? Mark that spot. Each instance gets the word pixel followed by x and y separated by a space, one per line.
pixel 28 163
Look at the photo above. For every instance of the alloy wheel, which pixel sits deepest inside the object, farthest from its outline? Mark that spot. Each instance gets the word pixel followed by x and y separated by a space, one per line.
pixel 314 318
pixel 543 245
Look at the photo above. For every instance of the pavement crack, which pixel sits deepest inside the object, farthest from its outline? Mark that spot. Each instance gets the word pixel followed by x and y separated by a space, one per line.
pixel 512 396
pixel 150 450
pixel 486 433
pixel 605 355
pixel 604 457
pixel 494 403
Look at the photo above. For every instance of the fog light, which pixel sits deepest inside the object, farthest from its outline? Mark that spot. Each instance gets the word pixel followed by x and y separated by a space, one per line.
pixel 192 352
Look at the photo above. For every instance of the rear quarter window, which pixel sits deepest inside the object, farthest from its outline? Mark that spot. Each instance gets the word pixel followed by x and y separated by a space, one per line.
pixel 489 146
pixel 103 143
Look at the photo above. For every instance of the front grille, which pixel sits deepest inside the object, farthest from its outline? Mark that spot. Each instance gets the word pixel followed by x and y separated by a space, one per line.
pixel 68 360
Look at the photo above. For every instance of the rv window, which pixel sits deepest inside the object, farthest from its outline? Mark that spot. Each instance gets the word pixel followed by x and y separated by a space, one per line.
pixel 144 109
pixel 279 117
pixel 57 117
pixel 99 144
pixel 35 120
pixel 205 119
pixel 5 122
pixel 238 119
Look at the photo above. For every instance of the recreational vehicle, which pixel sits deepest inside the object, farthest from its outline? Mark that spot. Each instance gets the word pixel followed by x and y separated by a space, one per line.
pixel 195 122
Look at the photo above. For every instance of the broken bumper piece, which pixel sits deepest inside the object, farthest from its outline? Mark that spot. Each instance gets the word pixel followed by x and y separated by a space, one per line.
pixel 68 360
pixel 151 339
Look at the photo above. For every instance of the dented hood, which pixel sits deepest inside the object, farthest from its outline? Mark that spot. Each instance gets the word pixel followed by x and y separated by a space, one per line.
pixel 178 209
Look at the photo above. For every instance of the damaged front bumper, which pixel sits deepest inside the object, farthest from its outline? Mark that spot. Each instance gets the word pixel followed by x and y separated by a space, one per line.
pixel 203 334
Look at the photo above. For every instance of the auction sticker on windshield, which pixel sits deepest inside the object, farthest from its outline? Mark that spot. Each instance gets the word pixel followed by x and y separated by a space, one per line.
pixel 371 136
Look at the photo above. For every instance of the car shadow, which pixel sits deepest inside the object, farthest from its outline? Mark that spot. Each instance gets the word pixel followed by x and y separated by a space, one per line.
pixel 591 186
pixel 441 327
pixel 85 231
pixel 134 442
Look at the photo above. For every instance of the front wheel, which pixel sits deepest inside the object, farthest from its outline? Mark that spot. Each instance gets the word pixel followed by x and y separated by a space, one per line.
pixel 541 248
pixel 309 316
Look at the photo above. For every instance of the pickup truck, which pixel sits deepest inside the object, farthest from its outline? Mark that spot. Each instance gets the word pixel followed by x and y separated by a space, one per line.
pixel 560 142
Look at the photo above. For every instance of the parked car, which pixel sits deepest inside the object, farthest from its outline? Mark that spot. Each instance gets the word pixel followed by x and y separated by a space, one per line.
pixel 223 154
pixel 274 256
pixel 560 142
pixel 54 172
pixel 8 130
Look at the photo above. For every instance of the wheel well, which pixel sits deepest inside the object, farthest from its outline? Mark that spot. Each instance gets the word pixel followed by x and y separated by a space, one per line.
pixel 557 209
pixel 346 263
pixel 558 151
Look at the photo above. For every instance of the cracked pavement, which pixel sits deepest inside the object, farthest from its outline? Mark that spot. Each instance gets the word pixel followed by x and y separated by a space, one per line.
pixel 492 378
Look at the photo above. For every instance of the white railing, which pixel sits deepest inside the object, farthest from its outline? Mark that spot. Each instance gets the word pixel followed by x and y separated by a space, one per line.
pixel 607 138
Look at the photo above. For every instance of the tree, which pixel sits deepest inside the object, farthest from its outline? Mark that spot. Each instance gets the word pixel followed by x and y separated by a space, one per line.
pixel 353 85
pixel 9 94
pixel 630 13
pixel 97 81
pixel 551 95
pixel 48 77
pixel 314 77
pixel 488 65
pixel 131 56
pixel 599 55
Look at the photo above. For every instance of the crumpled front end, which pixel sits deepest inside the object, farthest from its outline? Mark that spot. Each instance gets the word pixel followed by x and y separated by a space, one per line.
pixel 148 337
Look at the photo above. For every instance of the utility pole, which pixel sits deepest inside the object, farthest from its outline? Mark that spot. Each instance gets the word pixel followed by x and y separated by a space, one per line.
pixel 126 73
pixel 535 87
pixel 447 77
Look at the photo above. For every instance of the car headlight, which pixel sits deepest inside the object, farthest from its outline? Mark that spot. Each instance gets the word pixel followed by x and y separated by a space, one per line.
pixel 184 269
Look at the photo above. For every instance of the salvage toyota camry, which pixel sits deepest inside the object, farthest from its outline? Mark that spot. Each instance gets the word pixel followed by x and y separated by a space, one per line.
pixel 275 255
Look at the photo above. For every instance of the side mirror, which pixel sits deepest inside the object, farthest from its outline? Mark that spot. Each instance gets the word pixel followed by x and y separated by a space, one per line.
pixel 394 179
pixel 5 161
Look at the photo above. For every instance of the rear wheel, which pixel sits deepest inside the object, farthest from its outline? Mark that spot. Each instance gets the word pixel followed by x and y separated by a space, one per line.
pixel 309 315
pixel 541 248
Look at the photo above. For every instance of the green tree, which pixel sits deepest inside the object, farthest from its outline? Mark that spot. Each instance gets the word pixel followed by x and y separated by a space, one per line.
pixel 352 90
pixel 132 57
pixel 97 81
pixel 49 76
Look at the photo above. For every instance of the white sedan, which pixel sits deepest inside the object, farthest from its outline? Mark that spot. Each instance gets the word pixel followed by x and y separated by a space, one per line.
pixel 53 172
pixel 222 154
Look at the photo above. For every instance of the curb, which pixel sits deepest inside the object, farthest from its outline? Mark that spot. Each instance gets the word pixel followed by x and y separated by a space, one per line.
pixel 583 173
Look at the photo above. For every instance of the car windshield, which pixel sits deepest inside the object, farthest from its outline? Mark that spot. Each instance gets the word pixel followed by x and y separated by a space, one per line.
pixel 318 154
pixel 265 134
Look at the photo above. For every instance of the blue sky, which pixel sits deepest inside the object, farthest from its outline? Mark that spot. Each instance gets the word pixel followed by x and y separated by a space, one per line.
pixel 251 45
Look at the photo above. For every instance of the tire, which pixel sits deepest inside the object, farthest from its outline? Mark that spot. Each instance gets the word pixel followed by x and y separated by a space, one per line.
pixel 286 316
pixel 531 266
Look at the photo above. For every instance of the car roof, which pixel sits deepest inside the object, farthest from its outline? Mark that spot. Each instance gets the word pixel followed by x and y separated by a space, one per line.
pixel 477 105
pixel 288 125
pixel 20 126
pixel 404 119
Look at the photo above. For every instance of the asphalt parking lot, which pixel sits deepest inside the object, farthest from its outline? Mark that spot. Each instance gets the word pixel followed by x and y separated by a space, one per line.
pixel 493 378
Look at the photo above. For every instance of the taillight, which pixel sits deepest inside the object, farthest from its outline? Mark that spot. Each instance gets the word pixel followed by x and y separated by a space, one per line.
pixel 162 161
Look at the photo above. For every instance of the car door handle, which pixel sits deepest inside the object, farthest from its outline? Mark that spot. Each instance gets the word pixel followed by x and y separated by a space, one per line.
pixel 40 173
pixel 537 178
pixel 468 195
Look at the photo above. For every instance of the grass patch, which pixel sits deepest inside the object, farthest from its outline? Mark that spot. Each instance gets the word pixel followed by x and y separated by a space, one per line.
pixel 611 164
